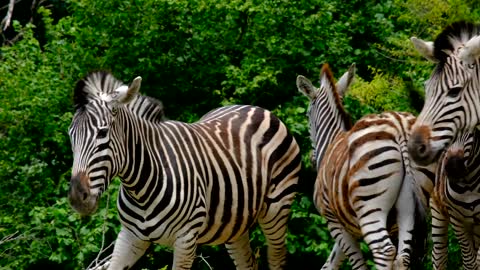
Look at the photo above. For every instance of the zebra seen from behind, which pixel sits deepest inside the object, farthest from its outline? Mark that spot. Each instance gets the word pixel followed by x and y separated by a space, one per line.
pixel 452 93
pixel 182 184
pixel 365 185
pixel 456 201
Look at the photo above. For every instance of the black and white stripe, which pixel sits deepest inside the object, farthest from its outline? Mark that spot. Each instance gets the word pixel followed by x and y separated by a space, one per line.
pixel 456 201
pixel 452 93
pixel 183 184
pixel 366 187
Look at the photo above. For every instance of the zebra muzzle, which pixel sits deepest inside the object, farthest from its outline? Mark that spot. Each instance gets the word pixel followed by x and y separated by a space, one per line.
pixel 419 146
pixel 455 167
pixel 79 195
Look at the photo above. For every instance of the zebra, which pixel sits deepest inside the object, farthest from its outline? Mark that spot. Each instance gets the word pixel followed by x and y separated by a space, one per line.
pixel 365 185
pixel 182 184
pixel 456 201
pixel 452 93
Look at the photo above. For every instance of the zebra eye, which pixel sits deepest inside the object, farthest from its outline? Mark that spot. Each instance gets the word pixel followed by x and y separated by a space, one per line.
pixel 102 133
pixel 454 91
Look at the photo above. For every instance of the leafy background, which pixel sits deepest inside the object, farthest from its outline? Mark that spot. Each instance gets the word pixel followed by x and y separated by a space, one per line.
pixel 194 56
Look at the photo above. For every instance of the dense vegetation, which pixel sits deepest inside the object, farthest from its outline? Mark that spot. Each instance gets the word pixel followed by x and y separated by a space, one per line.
pixel 194 56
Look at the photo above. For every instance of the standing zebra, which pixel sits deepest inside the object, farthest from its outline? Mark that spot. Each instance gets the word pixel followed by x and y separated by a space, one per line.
pixel 182 184
pixel 456 201
pixel 365 186
pixel 452 93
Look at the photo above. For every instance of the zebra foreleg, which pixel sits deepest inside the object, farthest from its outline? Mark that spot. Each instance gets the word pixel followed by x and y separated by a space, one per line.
pixel 439 236
pixel 241 253
pixel 128 249
pixel 345 245
pixel 477 261
pixel 465 240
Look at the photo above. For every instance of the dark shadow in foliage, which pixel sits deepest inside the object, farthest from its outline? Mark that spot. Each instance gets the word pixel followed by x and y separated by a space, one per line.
pixel 416 98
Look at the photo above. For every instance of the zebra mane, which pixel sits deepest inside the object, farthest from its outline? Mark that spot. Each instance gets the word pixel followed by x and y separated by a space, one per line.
pixel 98 84
pixel 338 100
pixel 93 86
pixel 453 37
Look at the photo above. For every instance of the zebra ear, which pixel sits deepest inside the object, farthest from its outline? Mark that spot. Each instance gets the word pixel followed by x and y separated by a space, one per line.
pixel 131 91
pixel 344 82
pixel 471 51
pixel 425 48
pixel 306 87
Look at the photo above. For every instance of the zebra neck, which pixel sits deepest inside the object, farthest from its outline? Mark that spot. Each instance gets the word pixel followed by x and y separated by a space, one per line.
pixel 141 164
pixel 324 136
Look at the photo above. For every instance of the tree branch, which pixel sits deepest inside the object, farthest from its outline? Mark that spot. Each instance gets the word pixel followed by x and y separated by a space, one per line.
pixel 8 18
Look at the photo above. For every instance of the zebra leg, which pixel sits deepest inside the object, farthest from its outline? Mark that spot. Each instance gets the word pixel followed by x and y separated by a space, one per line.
pixel 128 249
pixel 241 253
pixel 465 240
pixel 439 236
pixel 373 224
pixel 185 248
pixel 477 261
pixel 345 244
pixel 273 222
pixel 335 259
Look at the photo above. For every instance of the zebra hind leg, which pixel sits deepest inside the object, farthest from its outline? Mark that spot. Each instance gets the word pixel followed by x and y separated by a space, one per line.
pixel 128 249
pixel 241 253
pixel 273 222
pixel 345 246
pixel 374 230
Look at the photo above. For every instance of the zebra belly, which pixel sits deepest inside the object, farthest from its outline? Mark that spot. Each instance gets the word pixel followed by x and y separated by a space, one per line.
pixel 219 229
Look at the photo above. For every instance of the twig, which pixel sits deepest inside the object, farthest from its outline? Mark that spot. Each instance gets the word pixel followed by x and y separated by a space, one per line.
pixel 8 18
pixel 11 237
pixel 97 263
pixel 205 261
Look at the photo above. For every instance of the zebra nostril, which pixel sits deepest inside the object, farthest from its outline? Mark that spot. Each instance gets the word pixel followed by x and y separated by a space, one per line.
pixel 85 196
pixel 422 148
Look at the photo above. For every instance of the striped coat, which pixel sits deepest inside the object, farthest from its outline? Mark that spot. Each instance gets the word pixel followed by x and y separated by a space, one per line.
pixel 456 201
pixel 366 186
pixel 183 184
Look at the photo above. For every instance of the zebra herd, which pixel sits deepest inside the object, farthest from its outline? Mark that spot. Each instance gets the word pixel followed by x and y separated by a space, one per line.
pixel 209 182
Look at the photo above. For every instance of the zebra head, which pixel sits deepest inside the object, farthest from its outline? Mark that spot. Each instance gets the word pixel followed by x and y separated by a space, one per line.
pixel 99 99
pixel 452 93
pixel 326 114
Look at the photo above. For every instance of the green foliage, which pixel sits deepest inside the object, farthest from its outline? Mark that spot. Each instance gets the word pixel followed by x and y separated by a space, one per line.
pixel 194 56
pixel 383 93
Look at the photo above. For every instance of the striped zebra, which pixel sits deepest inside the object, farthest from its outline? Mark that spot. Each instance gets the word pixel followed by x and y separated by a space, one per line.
pixel 456 201
pixel 452 93
pixel 182 184
pixel 365 185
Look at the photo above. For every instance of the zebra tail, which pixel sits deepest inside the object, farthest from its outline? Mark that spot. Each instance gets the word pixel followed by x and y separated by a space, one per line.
pixel 420 236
